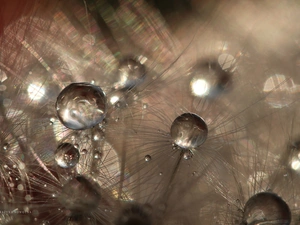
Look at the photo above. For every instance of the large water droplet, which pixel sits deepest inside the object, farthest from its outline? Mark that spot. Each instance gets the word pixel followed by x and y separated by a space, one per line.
pixel 79 195
pixel 66 155
pixel 266 208
pixel 189 131
pixel 130 74
pixel 81 106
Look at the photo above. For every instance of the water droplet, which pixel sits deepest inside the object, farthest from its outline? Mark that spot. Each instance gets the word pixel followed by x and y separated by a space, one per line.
pixel 98 135
pixel 160 174
pixel 189 131
pixel 97 155
pixel 148 158
pixel 6 146
pixel 266 207
pixel 194 173
pixel 145 106
pixel 210 78
pixel 130 73
pixel 52 120
pixel 45 222
pixel 187 155
pixel 76 146
pixel 80 195
pixel 81 106
pixel 83 151
pixel 66 155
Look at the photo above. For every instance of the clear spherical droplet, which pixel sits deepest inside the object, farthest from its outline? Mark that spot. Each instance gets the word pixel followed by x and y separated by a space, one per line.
pixel 130 73
pixel 266 208
pixel 98 135
pixel 81 106
pixel 66 155
pixel 187 155
pixel 148 158
pixel 6 146
pixel 83 151
pixel 189 131
pixel 97 155
pixel 210 79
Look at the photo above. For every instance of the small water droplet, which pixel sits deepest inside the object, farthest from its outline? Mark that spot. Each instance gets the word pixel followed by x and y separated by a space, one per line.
pixel 81 106
pixel 98 135
pixel 76 146
pixel 130 73
pixel 148 158
pixel 66 155
pixel 194 173
pixel 97 155
pixel 160 174
pixel 84 151
pixel 52 120
pixel 187 155
pixel 189 131
pixel 6 146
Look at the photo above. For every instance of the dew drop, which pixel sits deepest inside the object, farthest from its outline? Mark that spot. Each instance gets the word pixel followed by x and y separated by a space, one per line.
pixel 160 174
pixel 266 208
pixel 187 155
pixel 98 135
pixel 81 106
pixel 148 158
pixel 211 78
pixel 189 131
pixel 130 73
pixel 83 151
pixel 6 146
pixel 97 155
pixel 66 155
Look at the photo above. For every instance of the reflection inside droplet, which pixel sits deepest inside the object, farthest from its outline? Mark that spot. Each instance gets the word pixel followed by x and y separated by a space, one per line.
pixel 66 155
pixel 266 208
pixel 210 78
pixel 81 106
pixel 189 131
pixel 148 158
pixel 130 73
